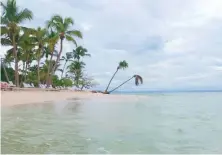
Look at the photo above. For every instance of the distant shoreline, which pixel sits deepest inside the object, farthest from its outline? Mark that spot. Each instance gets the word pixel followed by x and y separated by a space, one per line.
pixel 151 92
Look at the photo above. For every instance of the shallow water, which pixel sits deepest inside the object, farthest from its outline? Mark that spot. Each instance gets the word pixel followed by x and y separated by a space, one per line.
pixel 161 123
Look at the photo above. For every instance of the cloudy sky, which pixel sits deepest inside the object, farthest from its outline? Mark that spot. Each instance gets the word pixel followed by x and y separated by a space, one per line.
pixel 172 44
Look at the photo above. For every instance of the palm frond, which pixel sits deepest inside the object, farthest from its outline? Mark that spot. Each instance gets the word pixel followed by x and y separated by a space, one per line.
pixel 23 15
pixel 123 64
pixel 70 38
pixel 75 33
pixel 57 18
pixel 138 79
pixel 4 30
pixel 6 42
pixel 67 22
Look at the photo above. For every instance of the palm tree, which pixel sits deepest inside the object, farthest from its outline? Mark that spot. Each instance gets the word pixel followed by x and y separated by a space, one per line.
pixel 25 45
pixel 80 52
pixel 76 68
pixel 122 65
pixel 62 27
pixel 10 19
pixel 52 41
pixel 41 40
pixel 44 69
pixel 67 58
pixel 138 79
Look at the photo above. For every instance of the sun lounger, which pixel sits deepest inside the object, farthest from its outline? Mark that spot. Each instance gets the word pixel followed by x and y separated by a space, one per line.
pixel 5 86
pixel 11 84
pixel 26 85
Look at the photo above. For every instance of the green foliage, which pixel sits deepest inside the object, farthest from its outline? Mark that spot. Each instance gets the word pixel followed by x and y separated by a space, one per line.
pixel 10 72
pixel 28 45
pixel 65 82
pixel 123 65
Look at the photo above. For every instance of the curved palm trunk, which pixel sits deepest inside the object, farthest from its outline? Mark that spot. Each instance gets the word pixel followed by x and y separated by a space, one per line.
pixel 111 81
pixel 121 84
pixel 63 68
pixel 16 62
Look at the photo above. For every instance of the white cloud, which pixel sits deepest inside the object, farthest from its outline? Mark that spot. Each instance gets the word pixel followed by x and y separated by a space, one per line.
pixel 173 44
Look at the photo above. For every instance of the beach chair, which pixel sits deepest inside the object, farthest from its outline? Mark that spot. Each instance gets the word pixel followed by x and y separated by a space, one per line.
pixel 11 84
pixel 26 85
pixel 5 86
pixel 42 86
pixel 32 85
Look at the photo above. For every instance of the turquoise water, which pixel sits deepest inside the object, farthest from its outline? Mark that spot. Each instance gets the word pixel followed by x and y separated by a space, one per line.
pixel 160 123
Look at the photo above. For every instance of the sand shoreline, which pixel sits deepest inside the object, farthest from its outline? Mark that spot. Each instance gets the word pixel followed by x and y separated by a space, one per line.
pixel 10 98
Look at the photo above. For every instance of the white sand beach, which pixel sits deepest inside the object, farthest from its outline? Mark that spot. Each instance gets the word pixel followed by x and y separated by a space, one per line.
pixel 9 98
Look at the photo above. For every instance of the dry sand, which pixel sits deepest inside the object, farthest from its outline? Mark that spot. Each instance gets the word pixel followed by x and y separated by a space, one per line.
pixel 9 98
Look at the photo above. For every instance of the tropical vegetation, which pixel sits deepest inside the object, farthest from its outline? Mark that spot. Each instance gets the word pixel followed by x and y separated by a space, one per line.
pixel 34 52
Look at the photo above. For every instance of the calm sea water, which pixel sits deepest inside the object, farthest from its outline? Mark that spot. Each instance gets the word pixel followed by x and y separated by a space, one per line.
pixel 160 123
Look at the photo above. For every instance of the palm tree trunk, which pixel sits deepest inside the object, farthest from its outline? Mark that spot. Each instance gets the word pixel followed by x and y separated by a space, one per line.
pixel 111 80
pixel 121 84
pixel 26 67
pixel 57 60
pixel 6 75
pixel 63 69
pixel 23 69
pixel 58 57
pixel 49 71
pixel 38 72
pixel 16 62
pixel 39 58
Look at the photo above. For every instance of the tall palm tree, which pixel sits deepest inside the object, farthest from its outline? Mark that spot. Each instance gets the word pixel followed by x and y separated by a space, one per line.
pixel 62 27
pixel 138 79
pixel 66 58
pixel 122 65
pixel 41 40
pixel 11 18
pixel 53 38
pixel 80 52
pixel 25 45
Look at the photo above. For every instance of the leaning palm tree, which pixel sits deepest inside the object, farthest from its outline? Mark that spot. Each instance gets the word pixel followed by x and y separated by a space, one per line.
pixel 138 79
pixel 62 27
pixel 122 65
pixel 11 18
pixel 66 58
